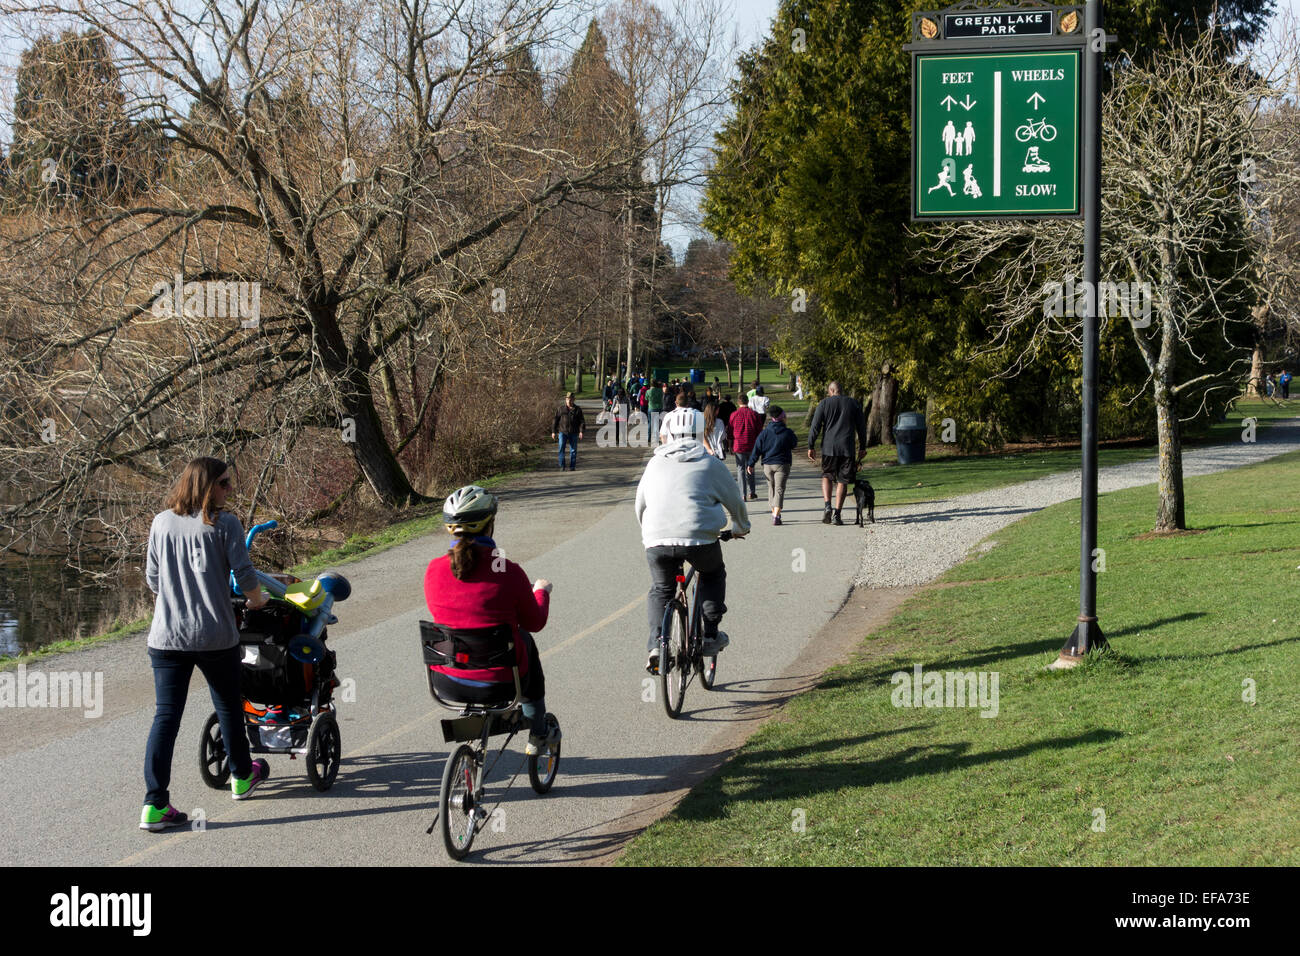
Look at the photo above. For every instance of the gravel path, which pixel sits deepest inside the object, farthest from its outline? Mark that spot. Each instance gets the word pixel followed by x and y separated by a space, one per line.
pixel 914 544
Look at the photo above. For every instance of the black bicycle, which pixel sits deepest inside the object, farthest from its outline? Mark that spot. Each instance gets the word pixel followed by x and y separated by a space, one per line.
pixel 681 642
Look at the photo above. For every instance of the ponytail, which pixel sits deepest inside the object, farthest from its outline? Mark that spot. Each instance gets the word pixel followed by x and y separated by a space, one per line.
pixel 463 557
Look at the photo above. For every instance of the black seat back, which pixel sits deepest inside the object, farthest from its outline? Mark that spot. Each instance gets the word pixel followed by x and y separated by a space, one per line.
pixel 467 648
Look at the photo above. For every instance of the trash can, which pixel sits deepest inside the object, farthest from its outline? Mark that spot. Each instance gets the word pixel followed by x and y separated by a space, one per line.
pixel 909 437
pixel 697 376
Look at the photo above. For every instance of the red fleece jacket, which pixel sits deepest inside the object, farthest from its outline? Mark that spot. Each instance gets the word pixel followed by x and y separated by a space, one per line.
pixel 744 425
pixel 486 598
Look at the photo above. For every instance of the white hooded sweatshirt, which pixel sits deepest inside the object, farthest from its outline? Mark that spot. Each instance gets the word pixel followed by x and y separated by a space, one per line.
pixel 684 497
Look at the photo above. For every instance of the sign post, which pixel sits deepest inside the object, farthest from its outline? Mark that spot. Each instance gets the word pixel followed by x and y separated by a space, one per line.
pixel 1006 124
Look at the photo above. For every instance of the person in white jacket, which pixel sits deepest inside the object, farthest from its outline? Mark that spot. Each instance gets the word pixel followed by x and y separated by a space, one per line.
pixel 682 503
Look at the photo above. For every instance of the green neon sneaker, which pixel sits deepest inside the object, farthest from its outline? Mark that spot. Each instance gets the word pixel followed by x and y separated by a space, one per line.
pixel 156 819
pixel 243 789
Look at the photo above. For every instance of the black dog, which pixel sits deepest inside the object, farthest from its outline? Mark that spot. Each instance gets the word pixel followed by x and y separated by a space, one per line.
pixel 864 496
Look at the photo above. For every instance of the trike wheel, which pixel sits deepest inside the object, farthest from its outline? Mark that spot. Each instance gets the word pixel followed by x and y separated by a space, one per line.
pixel 214 764
pixel 674 664
pixel 456 801
pixel 543 767
pixel 323 749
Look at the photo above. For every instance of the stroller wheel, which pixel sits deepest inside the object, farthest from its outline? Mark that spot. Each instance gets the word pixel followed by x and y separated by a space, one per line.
pixel 214 766
pixel 323 748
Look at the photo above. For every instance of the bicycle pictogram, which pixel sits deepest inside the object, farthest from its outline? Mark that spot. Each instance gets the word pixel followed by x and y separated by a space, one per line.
pixel 1034 129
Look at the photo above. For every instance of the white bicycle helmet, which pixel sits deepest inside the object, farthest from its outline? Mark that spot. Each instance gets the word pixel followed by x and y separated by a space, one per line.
pixel 469 510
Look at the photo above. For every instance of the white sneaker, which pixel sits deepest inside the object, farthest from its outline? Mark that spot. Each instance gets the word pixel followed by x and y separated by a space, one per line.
pixel 710 648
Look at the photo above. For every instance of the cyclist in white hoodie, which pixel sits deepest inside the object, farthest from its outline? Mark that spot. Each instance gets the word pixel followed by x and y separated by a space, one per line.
pixel 682 504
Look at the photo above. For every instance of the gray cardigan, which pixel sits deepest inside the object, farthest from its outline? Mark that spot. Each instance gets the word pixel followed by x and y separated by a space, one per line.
pixel 188 567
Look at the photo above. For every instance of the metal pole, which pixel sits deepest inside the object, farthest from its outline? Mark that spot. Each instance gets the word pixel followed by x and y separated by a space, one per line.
pixel 1086 633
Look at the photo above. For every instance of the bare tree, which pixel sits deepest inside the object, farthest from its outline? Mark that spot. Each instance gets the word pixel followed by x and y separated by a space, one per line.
pixel 346 172
pixel 1177 220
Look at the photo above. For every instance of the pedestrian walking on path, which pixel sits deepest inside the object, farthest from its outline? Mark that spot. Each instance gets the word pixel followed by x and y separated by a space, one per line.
pixel 682 422
pixel 774 451
pixel 655 406
pixel 569 425
pixel 715 432
pixel 745 427
pixel 841 419
pixel 725 408
pixel 194 546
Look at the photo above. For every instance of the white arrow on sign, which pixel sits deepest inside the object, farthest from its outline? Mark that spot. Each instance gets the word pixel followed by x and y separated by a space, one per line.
pixel 968 102
pixel 948 102
pixel 1037 96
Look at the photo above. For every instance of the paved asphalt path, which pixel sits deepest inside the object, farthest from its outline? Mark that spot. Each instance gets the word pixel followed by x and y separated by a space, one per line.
pixel 71 786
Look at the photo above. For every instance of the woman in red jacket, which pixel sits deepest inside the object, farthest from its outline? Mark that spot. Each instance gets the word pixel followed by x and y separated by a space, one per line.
pixel 474 586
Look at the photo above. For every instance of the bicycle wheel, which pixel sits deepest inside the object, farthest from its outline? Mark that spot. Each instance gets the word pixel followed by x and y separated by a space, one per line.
pixel 214 765
pixel 543 767
pixel 706 667
pixel 674 664
pixel 1048 132
pixel 456 803
pixel 1024 133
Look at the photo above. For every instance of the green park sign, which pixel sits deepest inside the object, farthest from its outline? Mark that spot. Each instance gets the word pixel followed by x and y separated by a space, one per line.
pixel 996 135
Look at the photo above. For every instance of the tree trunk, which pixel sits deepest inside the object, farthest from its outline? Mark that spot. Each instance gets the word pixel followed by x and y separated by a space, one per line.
pixel 1170 515
pixel 577 373
pixel 630 265
pixel 396 420
pixel 373 456
pixel 349 375
pixel 880 421
pixel 1255 389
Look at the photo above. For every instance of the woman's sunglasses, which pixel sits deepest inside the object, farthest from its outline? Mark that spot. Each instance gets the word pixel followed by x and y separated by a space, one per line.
pixel 224 483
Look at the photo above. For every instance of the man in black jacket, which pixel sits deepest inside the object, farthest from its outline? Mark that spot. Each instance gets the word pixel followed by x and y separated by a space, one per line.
pixel 841 418
pixel 569 425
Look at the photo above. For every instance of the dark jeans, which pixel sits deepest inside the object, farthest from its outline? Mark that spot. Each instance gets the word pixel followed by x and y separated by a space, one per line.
pixel 171 682
pixel 572 442
pixel 748 483
pixel 666 564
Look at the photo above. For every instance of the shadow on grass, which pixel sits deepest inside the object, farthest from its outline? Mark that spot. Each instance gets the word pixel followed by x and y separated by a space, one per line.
pixel 750 776
pixel 1233 650
pixel 1003 652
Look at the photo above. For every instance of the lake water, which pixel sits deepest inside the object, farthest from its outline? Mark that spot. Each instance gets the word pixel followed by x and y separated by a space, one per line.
pixel 43 602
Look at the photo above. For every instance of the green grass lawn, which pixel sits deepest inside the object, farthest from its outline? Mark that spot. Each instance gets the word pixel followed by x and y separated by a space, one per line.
pixel 1153 738
pixel 945 473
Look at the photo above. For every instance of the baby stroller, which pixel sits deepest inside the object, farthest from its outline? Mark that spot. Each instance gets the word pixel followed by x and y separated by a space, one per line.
pixel 287 677
pixel 485 710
